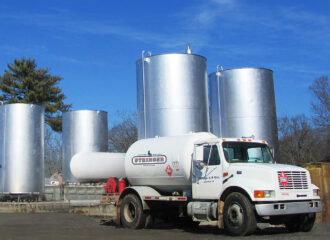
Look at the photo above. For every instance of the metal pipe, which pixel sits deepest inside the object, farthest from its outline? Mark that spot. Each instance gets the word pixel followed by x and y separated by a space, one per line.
pixel 218 89
pixel 144 93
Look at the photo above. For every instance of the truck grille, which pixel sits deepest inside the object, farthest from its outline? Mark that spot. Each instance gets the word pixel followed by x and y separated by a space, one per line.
pixel 297 180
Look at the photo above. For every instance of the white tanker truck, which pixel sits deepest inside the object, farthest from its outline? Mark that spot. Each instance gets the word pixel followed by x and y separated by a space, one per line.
pixel 204 178
pixel 198 177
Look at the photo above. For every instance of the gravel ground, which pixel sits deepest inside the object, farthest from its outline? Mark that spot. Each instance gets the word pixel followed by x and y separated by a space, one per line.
pixel 48 226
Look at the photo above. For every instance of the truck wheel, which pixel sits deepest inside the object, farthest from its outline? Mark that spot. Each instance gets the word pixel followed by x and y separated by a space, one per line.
pixel 238 215
pixel 302 222
pixel 131 212
pixel 308 222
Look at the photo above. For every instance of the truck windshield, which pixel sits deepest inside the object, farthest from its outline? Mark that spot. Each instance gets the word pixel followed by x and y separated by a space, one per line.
pixel 247 152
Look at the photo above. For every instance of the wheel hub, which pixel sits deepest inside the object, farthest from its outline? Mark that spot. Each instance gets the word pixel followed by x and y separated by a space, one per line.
pixel 130 212
pixel 235 213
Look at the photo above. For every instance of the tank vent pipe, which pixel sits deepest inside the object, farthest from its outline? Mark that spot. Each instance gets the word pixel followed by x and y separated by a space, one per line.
pixel 219 67
pixel 188 48
pixel 144 92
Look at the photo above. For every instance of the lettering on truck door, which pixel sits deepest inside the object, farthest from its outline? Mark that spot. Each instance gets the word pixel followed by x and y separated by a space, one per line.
pixel 207 172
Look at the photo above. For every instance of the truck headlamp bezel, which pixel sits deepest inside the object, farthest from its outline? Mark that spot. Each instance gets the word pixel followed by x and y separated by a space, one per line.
pixel 264 193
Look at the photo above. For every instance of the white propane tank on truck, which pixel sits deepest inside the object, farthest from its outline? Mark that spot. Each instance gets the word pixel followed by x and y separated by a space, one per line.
pixel 164 163
pixel 203 178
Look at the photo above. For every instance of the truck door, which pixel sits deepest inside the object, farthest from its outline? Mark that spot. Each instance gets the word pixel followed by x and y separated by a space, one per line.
pixel 207 172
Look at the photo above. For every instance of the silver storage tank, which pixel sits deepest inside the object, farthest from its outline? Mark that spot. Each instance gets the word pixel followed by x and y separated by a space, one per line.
pixel 2 142
pixel 242 104
pixel 172 94
pixel 22 148
pixel 82 131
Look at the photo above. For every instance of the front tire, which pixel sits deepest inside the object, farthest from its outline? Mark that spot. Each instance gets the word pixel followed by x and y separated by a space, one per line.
pixel 131 212
pixel 302 222
pixel 238 215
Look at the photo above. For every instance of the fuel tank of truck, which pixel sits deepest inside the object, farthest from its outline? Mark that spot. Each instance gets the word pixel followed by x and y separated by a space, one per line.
pixel 163 163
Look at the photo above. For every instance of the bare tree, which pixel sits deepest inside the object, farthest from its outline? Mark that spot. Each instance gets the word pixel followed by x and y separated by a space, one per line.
pixel 321 104
pixel 53 152
pixel 297 141
pixel 123 134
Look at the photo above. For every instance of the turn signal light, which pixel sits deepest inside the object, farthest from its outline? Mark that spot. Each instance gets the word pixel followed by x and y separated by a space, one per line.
pixel 259 194
pixel 316 192
pixel 264 193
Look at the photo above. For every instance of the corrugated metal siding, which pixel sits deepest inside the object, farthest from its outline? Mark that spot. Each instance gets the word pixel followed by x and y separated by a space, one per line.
pixel 320 174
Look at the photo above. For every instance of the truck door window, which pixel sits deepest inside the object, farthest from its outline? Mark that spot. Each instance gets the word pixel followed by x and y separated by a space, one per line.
pixel 211 155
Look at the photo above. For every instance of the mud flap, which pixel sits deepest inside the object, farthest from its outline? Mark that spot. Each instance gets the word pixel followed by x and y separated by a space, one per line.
pixel 117 220
pixel 220 214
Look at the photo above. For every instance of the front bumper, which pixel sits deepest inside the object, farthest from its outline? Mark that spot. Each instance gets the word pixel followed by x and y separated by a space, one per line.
pixel 287 208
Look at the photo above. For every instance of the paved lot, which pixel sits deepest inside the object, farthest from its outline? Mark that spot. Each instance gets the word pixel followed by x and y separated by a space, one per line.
pixel 48 226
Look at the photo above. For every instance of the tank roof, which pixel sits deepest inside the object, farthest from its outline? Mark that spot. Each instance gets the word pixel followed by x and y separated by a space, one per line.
pixel 241 68
pixel 85 110
pixel 197 55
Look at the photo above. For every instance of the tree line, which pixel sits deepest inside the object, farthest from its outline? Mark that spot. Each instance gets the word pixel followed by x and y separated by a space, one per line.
pixel 301 139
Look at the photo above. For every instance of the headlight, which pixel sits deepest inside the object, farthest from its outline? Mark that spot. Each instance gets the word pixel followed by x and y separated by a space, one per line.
pixel 316 192
pixel 264 193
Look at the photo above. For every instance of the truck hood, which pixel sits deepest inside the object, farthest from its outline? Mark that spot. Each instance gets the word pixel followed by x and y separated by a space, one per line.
pixel 267 166
pixel 266 176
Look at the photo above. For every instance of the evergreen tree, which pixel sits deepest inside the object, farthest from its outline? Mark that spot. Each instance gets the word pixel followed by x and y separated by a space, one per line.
pixel 23 82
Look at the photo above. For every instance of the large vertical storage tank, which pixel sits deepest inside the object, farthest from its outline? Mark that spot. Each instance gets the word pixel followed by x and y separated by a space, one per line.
pixel 172 94
pixel 82 131
pixel 2 142
pixel 22 148
pixel 242 104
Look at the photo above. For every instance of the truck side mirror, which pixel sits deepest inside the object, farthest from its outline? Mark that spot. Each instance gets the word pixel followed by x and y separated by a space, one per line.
pixel 199 164
pixel 198 157
pixel 272 151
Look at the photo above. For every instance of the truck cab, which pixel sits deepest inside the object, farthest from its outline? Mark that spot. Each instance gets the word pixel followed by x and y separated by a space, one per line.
pixel 242 174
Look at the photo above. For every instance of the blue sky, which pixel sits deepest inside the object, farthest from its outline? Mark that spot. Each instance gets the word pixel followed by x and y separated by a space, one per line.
pixel 93 45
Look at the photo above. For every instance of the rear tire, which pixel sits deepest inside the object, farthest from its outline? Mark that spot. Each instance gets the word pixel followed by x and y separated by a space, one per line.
pixel 238 215
pixel 131 212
